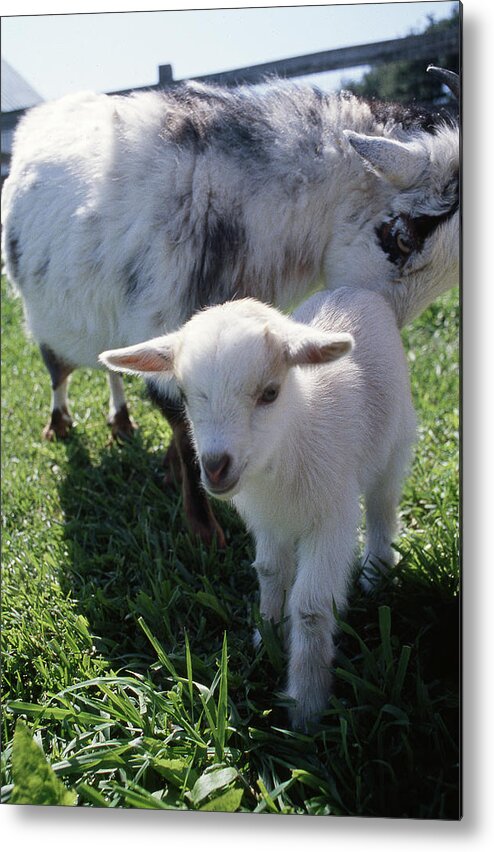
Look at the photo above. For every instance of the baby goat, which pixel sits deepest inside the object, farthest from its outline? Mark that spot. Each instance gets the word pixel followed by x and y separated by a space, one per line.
pixel 294 433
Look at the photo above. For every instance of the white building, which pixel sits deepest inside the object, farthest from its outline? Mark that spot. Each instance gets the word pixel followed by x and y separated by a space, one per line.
pixel 17 94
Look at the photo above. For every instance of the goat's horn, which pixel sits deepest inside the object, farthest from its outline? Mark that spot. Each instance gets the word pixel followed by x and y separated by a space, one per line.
pixel 449 78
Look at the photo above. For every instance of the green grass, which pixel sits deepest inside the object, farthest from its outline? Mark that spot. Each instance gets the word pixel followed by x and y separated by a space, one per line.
pixel 127 647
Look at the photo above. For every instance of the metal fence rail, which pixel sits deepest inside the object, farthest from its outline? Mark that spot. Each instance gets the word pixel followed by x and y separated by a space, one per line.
pixel 425 47
pixel 428 46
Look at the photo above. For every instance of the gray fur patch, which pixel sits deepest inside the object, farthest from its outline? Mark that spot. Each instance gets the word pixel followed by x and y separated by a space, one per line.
pixel 184 130
pixel 238 123
pixel 132 283
pixel 14 253
pixel 134 277
pixel 409 116
pixel 217 276
pixel 228 122
pixel 159 319
pixel 40 272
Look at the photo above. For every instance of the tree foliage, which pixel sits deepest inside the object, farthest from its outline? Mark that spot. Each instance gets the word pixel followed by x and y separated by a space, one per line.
pixel 405 81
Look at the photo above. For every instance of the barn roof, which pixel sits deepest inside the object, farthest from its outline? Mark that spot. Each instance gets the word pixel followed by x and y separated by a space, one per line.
pixel 16 91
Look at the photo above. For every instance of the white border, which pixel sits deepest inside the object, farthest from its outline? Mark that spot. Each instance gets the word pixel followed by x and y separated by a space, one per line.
pixel 78 828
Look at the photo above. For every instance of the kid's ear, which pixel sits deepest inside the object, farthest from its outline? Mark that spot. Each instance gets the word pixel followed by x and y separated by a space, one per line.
pixel 318 348
pixel 152 356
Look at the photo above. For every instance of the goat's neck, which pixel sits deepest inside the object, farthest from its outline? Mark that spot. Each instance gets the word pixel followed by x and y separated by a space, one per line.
pixel 290 258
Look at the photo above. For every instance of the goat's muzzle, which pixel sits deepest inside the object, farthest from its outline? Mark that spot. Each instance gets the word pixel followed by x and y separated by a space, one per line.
pixel 217 470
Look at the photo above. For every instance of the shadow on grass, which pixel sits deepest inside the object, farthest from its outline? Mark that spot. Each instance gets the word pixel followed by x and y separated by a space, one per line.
pixel 130 555
pixel 397 697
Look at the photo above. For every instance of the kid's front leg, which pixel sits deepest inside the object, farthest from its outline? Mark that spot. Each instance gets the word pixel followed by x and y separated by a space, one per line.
pixel 275 566
pixel 323 574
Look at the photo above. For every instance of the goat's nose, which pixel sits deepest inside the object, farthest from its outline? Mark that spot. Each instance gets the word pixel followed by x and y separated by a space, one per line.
pixel 216 466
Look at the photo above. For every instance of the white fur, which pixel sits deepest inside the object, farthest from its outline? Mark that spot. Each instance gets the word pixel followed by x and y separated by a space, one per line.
pixel 298 465
pixel 100 198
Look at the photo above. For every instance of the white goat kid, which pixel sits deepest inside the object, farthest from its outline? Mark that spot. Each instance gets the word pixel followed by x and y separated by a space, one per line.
pixel 294 440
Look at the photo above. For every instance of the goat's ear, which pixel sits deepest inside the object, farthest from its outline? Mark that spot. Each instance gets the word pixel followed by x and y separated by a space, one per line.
pixel 400 163
pixel 152 356
pixel 318 348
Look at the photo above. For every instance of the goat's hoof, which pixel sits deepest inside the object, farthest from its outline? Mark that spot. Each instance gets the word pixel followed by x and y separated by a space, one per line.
pixel 122 427
pixel 303 722
pixel 59 426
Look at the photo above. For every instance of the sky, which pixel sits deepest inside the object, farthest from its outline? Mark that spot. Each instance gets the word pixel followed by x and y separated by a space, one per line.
pixel 60 53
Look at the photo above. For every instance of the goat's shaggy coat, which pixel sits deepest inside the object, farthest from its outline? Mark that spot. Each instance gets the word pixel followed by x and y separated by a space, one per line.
pixel 295 441
pixel 123 215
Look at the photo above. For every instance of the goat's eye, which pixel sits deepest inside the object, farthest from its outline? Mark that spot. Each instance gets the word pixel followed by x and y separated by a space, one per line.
pixel 268 395
pixel 403 244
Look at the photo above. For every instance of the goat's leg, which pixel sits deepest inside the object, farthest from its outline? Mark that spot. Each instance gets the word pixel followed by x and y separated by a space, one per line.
pixel 323 573
pixel 60 421
pixel 174 413
pixel 381 504
pixel 122 427
pixel 198 512
pixel 275 567
pixel 172 465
